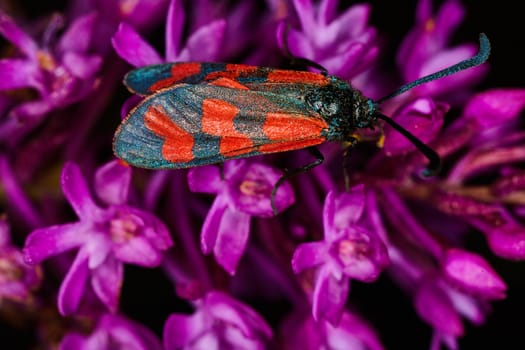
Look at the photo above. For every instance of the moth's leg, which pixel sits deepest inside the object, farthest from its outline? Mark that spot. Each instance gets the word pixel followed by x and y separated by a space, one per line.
pixel 352 141
pixel 289 173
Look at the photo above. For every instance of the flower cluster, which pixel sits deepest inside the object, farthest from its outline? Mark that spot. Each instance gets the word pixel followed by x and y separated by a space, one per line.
pixel 256 258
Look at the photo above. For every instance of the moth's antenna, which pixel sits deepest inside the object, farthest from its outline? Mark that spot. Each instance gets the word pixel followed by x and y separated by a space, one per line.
pixel 434 160
pixel 480 58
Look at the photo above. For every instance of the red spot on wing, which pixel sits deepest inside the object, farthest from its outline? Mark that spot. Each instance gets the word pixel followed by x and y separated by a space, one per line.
pixel 290 145
pixel 217 120
pixel 178 144
pixel 232 71
pixel 301 77
pixel 179 72
pixel 226 82
pixel 290 127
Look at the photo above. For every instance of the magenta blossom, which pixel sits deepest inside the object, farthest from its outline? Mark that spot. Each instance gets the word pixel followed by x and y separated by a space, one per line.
pixel 220 322
pixel 61 73
pixel 422 117
pixel 17 278
pixel 113 332
pixel 106 236
pixel 243 191
pixel 300 331
pixel 424 51
pixel 203 45
pixel 344 44
pixel 350 250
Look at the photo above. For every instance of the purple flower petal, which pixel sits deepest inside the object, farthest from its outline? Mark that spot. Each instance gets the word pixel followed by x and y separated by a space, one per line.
pixel 5 235
pixel 355 20
pixel 17 278
pixel 360 253
pixel 210 227
pixel 443 59
pixel 16 36
pixel 130 46
pixel 250 188
pixel 472 308
pixel 97 248
pixel 77 193
pixel 423 11
pixel 106 281
pixel 442 316
pixel 82 28
pixel 341 210
pixel 219 319
pixel 205 43
pixel 327 11
pixel 496 106
pixel 181 330
pixel 17 73
pixel 472 273
pixel 113 332
pixel 73 286
pixel 448 18
pixel 82 66
pixel 45 242
pixel 305 10
pixel 329 213
pixel 507 240
pixel 128 334
pixel 329 297
pixel 512 181
pixel 349 207
pixel 308 255
pixel 231 241
pixel 231 311
pixel 354 60
pixel 154 230
pixel 205 179
pixel 421 117
pixel 72 341
pixel 298 43
pixel 31 113
pixel 112 182
pixel 429 37
pixel 138 251
pixel 352 330
pixel 174 29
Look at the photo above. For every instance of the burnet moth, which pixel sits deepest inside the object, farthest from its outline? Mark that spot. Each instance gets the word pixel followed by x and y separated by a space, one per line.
pixel 196 114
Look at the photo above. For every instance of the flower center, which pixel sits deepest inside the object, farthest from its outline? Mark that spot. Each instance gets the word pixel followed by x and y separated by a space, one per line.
pixel 127 7
pixel 430 24
pixel 348 250
pixel 254 188
pixel 9 270
pixel 124 227
pixel 46 61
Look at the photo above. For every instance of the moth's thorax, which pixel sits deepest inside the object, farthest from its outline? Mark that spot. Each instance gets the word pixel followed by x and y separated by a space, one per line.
pixel 343 107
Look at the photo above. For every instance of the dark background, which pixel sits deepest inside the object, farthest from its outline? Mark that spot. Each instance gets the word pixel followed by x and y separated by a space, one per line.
pixel 387 308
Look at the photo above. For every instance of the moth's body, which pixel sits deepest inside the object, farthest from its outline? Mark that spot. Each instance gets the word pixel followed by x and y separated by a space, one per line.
pixel 206 113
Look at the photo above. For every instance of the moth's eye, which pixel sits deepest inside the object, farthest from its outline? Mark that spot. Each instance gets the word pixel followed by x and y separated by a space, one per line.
pixel 331 108
pixel 318 105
